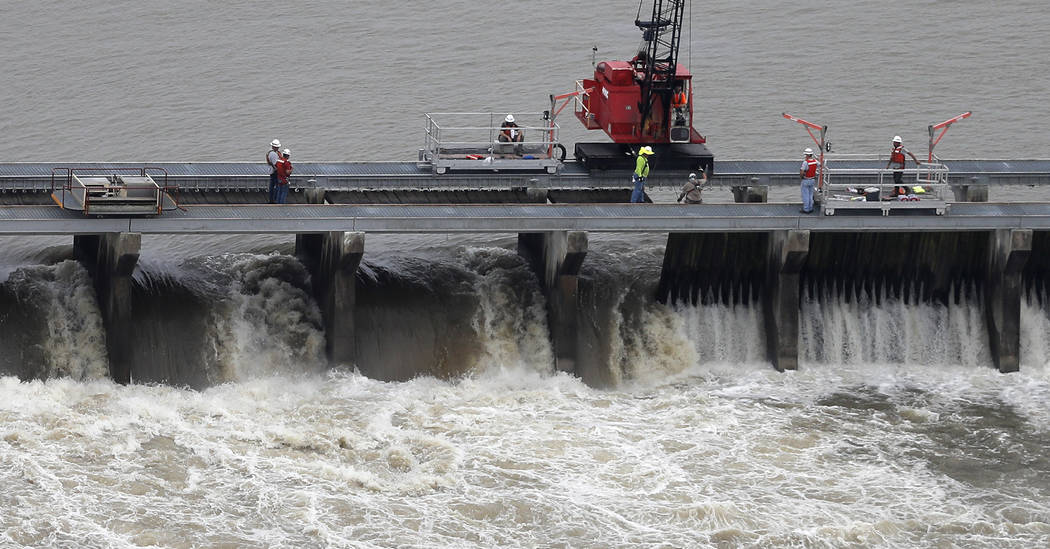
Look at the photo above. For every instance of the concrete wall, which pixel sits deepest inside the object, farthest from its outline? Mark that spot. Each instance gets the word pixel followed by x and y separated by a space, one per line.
pixel 111 260
pixel 1008 252
pixel 785 257
pixel 332 259
pixel 556 258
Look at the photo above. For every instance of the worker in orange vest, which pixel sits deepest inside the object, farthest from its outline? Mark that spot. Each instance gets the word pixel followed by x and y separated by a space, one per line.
pixel 679 104
pixel 284 170
pixel 898 161
pixel 808 174
pixel 510 132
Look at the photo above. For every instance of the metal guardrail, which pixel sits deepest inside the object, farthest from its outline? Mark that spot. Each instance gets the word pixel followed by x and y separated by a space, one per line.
pixel 510 218
pixel 472 141
pixel 105 191
pixel 923 187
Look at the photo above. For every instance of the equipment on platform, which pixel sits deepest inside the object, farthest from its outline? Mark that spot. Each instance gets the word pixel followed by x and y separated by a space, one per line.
pixel 925 187
pixel 468 142
pixel 104 192
pixel 645 101
pixel 850 187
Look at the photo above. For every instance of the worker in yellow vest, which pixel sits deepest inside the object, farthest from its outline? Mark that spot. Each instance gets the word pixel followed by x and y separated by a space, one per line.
pixel 641 173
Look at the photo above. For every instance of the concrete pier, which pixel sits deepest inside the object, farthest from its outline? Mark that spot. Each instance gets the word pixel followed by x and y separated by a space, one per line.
pixel 1008 252
pixel 556 258
pixel 332 258
pixel 111 260
pixel 786 257
pixel 742 268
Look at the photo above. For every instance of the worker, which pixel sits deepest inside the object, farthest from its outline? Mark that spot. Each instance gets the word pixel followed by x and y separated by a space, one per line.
pixel 897 161
pixel 641 173
pixel 679 104
pixel 692 188
pixel 272 156
pixel 510 132
pixel 808 173
pixel 284 170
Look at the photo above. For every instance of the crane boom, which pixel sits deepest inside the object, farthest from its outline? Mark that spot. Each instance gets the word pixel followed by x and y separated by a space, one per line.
pixel 658 61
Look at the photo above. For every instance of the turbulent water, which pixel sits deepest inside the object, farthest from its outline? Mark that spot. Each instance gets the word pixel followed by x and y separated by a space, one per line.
pixel 453 430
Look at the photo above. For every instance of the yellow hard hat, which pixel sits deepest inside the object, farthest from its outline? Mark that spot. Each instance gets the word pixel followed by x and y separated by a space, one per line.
pixel 645 150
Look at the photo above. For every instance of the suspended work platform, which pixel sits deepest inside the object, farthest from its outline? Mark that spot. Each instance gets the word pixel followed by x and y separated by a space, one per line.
pixel 94 192
pixel 466 142
pixel 922 188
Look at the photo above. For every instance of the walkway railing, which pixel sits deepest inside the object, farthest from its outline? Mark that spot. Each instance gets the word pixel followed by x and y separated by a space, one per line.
pixel 471 141
pixel 922 187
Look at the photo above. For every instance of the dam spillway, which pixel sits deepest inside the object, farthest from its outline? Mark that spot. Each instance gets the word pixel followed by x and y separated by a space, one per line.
pixel 764 254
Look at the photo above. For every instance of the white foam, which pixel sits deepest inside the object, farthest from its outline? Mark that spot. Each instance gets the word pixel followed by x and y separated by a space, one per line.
pixel 75 342
pixel 834 330
pixel 511 319
pixel 1035 335
pixel 266 325
pixel 511 456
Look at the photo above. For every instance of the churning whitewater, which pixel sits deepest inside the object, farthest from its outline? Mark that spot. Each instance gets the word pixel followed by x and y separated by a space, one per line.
pixel 687 439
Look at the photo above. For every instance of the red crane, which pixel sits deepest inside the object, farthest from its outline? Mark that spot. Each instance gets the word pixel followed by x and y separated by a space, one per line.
pixel 647 100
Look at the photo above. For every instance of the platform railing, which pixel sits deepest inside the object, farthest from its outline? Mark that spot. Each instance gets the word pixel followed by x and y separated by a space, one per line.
pixel 65 181
pixel 581 109
pixel 480 131
pixel 923 186
pixel 472 140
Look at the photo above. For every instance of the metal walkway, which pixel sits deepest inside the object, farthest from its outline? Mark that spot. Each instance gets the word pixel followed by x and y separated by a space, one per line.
pixel 510 218
pixel 254 176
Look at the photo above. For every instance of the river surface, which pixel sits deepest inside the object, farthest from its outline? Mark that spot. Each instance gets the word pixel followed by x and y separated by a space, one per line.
pixel 895 432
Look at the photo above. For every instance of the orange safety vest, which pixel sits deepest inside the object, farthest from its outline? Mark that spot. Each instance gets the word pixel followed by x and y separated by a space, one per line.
pixel 679 99
pixel 811 167
pixel 897 156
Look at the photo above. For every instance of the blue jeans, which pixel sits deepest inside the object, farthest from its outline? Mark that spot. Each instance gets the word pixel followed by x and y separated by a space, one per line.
pixel 273 188
pixel 638 194
pixel 280 193
pixel 808 188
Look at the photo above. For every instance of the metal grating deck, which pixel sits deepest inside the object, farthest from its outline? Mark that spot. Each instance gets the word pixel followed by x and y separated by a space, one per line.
pixel 253 176
pixel 509 218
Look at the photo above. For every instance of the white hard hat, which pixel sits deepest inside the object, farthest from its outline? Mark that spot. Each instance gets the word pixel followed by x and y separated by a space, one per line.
pixel 808 151
pixel 288 152
pixel 897 139
pixel 509 118
pixel 275 143
pixel 692 176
